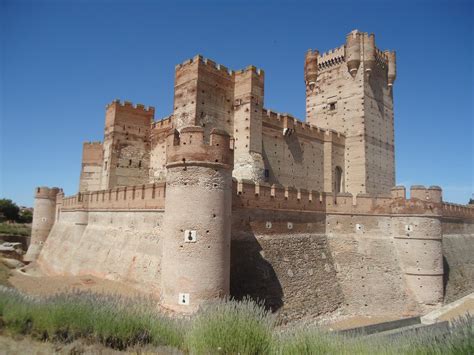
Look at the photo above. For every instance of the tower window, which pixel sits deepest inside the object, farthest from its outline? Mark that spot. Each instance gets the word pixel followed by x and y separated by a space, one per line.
pixel 139 163
pixel 105 166
pixel 332 106
pixel 130 162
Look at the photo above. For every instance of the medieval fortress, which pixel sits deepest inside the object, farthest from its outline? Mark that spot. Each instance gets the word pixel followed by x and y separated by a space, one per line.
pixel 225 197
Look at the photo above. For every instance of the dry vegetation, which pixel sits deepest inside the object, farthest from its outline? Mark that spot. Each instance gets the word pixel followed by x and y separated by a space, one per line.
pixel 226 327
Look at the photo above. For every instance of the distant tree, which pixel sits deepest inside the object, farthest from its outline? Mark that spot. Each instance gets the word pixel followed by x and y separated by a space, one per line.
pixel 9 209
pixel 26 216
pixel 471 201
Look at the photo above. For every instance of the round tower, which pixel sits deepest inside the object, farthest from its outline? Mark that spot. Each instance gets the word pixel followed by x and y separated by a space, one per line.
pixel 369 52
pixel 352 52
pixel 44 215
pixel 311 68
pixel 197 220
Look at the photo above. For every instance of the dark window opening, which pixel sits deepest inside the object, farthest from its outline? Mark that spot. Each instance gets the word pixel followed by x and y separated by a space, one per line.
pixel 338 180
pixel 105 166
pixel 130 162
pixel 140 164
pixel 332 106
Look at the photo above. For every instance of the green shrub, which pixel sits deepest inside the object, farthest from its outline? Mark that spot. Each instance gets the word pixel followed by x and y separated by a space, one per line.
pixel 231 327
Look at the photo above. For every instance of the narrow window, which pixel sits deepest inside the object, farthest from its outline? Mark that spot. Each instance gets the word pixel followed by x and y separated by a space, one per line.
pixel 130 162
pixel 139 163
pixel 338 180
pixel 105 166
pixel 332 106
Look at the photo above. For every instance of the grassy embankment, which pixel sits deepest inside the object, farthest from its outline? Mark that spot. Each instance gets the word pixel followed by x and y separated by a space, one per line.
pixel 226 327
pixel 15 229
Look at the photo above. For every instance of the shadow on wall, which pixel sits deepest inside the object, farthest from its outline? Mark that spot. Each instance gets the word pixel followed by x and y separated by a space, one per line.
pixel 294 146
pixel 251 275
pixel 446 275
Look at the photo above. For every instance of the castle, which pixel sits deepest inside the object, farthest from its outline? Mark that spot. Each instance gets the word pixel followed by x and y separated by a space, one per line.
pixel 225 197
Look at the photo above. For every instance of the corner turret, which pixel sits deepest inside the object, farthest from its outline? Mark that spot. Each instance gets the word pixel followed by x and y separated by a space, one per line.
pixel 44 215
pixel 311 68
pixel 392 67
pixel 353 52
pixel 369 52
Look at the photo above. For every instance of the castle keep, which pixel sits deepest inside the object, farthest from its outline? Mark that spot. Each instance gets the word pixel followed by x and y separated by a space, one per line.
pixel 226 197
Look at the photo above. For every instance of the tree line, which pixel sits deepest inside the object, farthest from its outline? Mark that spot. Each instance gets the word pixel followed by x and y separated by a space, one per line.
pixel 10 211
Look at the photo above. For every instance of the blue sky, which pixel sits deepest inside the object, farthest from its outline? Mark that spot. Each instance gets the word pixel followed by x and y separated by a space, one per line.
pixel 61 62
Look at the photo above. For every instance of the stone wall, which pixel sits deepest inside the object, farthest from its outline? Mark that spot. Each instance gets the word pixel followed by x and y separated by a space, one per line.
pixel 458 251
pixel 115 245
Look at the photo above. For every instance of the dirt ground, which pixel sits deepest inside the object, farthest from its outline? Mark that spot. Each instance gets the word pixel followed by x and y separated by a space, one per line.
pixel 358 321
pixel 464 308
pixel 37 284
pixel 24 345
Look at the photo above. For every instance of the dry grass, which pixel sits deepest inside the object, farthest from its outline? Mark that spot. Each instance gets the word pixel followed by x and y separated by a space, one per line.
pixel 226 327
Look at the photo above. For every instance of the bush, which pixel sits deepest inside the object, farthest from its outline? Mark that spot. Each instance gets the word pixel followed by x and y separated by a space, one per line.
pixel 231 327
pixel 9 209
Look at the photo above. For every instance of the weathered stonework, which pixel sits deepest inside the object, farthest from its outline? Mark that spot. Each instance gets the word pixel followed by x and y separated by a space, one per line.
pixel 226 197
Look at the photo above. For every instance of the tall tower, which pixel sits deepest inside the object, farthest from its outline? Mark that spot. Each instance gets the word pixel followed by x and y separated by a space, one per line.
pixel 126 144
pixel 349 89
pixel 91 168
pixel 211 96
pixel 197 220
pixel 44 215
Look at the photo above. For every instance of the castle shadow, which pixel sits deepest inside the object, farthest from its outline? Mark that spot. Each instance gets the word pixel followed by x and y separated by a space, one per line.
pixel 253 276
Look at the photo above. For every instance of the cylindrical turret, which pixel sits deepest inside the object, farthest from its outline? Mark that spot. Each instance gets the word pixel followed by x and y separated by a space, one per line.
pixel 369 52
pixel 392 67
pixel 418 239
pixel 311 68
pixel 197 220
pixel 44 215
pixel 353 52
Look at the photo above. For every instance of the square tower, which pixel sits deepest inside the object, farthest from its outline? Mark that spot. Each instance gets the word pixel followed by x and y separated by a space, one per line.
pixel 349 90
pixel 126 144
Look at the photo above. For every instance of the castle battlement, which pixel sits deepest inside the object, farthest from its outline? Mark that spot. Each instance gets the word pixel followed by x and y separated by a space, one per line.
pixel 331 58
pixel 287 121
pixel 210 64
pixel 259 72
pixel 147 196
pixel 219 68
pixel 165 122
pixel 188 147
pixel 277 197
pixel 127 105
pixel 47 192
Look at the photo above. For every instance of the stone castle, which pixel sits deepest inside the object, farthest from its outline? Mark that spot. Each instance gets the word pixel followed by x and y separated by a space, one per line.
pixel 225 197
